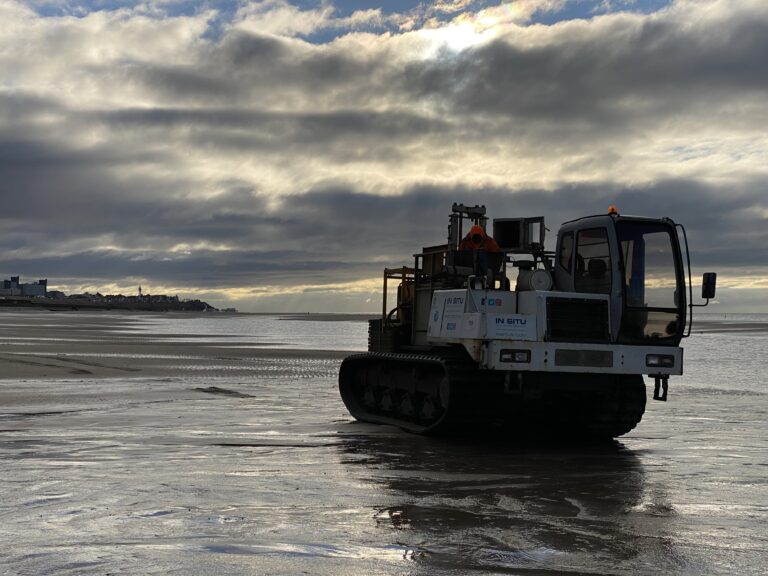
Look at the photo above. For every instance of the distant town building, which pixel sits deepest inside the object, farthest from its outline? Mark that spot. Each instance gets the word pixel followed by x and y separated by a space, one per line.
pixel 14 293
pixel 13 287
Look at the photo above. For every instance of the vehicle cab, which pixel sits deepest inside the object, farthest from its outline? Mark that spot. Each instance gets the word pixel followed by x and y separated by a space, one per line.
pixel 636 262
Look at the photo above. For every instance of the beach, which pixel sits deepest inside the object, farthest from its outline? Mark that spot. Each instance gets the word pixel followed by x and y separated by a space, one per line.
pixel 193 444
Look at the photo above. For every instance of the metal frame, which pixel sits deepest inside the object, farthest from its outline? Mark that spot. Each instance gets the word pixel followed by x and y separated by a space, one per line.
pixel 403 273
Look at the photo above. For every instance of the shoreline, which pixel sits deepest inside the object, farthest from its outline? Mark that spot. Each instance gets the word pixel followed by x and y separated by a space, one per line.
pixel 97 308
pixel 71 304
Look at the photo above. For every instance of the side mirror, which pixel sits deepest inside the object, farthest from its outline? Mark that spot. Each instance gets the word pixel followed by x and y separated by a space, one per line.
pixel 708 285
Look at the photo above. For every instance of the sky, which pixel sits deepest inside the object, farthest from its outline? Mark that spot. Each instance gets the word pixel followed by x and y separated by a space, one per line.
pixel 277 155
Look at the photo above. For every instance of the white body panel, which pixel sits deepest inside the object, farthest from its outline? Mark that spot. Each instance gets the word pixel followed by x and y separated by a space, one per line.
pixel 587 358
pixel 492 325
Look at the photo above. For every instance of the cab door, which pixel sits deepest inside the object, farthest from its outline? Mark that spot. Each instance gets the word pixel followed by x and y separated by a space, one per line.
pixel 653 283
pixel 587 261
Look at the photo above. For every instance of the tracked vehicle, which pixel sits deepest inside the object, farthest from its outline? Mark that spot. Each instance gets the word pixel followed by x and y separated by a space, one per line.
pixel 564 350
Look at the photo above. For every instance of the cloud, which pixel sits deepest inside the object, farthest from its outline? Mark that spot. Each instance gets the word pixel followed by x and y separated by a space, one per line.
pixel 156 143
pixel 281 18
pixel 327 236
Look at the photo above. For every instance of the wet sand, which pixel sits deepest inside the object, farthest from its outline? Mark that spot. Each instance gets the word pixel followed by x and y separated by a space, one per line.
pixel 138 454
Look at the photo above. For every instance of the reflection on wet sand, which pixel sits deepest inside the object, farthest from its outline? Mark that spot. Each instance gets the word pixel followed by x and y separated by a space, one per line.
pixel 488 504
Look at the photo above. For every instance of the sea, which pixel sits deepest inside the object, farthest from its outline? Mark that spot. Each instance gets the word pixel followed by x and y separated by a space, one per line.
pixel 255 467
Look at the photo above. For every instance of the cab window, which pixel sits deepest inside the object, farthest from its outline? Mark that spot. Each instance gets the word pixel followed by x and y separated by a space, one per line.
pixel 566 251
pixel 593 262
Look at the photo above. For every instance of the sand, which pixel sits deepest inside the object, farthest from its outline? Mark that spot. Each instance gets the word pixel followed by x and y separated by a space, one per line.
pixel 38 344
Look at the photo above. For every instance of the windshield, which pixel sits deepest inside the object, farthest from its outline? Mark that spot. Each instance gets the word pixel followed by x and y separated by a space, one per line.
pixel 652 288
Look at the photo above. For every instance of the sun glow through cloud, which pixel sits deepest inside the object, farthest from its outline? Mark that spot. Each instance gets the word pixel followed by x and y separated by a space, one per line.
pixel 470 29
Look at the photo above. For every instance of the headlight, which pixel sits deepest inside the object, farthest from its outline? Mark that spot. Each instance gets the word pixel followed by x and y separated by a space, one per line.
pixel 659 360
pixel 519 356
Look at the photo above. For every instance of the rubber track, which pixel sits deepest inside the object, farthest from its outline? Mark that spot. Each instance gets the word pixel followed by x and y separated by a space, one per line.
pixel 475 399
pixel 450 373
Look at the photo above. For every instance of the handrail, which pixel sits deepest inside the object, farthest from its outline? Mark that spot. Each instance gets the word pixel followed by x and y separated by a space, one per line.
pixel 690 282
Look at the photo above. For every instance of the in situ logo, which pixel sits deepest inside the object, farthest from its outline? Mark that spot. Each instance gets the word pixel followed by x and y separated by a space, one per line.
pixel 512 321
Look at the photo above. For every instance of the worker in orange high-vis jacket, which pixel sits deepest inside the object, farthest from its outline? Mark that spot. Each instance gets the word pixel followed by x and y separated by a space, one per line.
pixel 477 239
pixel 482 246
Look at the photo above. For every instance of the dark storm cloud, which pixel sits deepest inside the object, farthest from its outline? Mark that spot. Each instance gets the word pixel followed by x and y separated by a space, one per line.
pixel 204 269
pixel 15 107
pixel 334 133
pixel 59 195
pixel 252 57
pixel 242 50
pixel 178 82
pixel 721 233
pixel 44 182
pixel 17 157
pixel 68 196
pixel 345 236
pixel 244 65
